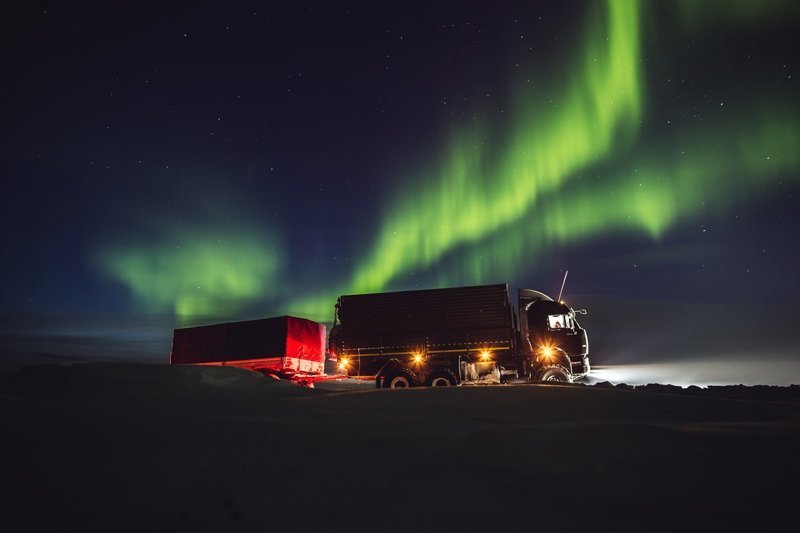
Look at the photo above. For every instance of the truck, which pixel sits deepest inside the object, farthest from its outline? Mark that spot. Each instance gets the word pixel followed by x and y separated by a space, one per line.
pixel 285 347
pixel 459 335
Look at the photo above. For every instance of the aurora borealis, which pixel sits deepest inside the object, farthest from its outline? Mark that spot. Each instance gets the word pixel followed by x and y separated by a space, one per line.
pixel 228 162
pixel 475 195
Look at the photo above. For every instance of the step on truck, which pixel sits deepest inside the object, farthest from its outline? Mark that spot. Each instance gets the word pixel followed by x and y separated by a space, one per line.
pixel 460 335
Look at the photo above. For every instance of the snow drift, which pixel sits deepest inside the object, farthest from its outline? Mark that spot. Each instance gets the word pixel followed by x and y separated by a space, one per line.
pixel 139 447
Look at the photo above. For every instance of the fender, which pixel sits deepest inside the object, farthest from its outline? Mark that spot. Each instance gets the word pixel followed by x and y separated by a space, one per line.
pixel 559 357
pixel 389 365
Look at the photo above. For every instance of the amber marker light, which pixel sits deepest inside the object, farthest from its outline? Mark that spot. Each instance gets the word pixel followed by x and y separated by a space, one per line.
pixel 486 355
pixel 547 351
pixel 343 363
pixel 417 358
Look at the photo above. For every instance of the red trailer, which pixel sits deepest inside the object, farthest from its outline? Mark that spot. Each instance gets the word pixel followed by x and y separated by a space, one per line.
pixel 284 346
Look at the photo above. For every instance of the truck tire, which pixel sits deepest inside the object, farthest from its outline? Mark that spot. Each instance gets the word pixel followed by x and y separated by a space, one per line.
pixel 443 378
pixel 555 373
pixel 400 378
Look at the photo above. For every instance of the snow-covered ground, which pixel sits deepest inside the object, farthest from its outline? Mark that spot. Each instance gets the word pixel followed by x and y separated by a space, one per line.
pixel 703 372
pixel 132 447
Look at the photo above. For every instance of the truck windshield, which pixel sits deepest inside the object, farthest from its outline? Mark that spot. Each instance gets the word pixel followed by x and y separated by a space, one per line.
pixel 559 322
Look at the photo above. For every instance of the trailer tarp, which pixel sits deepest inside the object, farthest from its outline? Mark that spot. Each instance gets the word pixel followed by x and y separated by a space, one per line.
pixel 481 312
pixel 278 343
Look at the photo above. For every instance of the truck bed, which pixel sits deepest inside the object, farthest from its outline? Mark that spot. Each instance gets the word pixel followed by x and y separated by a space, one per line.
pixel 434 317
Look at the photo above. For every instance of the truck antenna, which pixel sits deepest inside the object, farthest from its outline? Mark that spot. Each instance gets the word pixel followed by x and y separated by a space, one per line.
pixel 562 285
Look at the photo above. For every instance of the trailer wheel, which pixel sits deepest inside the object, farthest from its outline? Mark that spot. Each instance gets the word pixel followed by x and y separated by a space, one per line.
pixel 555 373
pixel 400 378
pixel 443 378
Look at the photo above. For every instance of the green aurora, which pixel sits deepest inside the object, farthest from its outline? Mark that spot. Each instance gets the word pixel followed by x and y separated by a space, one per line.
pixel 575 168
pixel 476 196
pixel 208 273
pixel 497 212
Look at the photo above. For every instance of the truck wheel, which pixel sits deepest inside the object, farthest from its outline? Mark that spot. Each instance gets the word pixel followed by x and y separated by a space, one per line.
pixel 400 378
pixel 555 373
pixel 443 378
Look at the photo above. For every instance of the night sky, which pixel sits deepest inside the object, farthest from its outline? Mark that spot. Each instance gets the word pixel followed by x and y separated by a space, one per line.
pixel 167 165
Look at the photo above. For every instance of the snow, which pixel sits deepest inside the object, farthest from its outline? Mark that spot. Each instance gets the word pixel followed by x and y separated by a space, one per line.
pixel 704 371
pixel 129 447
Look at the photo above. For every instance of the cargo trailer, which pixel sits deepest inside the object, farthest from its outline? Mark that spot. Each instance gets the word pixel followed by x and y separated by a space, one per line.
pixel 285 346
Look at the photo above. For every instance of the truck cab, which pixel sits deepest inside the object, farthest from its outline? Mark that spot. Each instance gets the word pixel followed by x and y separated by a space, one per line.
pixel 551 334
